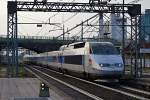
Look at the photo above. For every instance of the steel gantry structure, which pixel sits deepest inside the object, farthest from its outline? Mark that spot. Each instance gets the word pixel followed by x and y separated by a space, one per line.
pixel 43 6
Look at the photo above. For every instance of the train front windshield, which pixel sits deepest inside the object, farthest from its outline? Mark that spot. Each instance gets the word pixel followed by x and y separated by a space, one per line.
pixel 103 49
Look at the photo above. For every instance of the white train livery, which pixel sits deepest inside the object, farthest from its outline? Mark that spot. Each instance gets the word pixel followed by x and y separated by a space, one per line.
pixel 92 60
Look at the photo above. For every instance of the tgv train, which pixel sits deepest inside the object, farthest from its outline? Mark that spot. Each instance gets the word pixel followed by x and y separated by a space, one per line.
pixel 91 60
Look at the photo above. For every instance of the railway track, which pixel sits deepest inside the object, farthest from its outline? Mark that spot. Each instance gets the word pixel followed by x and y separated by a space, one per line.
pixel 91 90
pixel 138 84
pixel 129 89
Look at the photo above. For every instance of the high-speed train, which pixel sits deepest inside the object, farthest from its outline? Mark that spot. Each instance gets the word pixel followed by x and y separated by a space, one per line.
pixel 93 60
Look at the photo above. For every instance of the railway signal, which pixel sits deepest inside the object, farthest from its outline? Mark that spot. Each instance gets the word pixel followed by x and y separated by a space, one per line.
pixel 44 90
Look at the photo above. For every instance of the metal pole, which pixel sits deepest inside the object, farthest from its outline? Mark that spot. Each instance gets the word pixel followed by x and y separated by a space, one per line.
pixel 12 44
pixel 100 26
pixel 68 35
pixel 144 64
pixel 141 55
pixel 63 32
pixel 82 32
pixel 8 43
pixel 131 55
pixel 136 51
pixel 16 45
pixel 123 37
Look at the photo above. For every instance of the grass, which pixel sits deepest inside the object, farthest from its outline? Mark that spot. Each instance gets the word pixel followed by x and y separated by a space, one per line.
pixel 21 71
pixel 3 71
pixel 146 70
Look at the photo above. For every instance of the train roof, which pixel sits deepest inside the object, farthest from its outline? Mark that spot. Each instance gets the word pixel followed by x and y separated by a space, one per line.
pixel 101 42
pixel 87 42
pixel 80 44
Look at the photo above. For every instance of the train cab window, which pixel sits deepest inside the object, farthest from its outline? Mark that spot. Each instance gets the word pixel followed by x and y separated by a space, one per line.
pixel 69 47
pixel 80 45
pixel 103 49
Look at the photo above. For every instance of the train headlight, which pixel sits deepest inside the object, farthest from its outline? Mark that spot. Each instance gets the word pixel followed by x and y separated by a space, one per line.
pixel 119 65
pixel 101 65
pixel 104 65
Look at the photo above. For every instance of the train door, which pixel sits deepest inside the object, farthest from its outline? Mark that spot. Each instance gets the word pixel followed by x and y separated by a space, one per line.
pixel 47 59
pixel 86 63
pixel 61 61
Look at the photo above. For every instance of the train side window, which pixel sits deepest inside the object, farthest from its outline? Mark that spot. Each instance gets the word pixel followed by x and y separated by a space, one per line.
pixel 80 45
pixel 54 59
pixel 76 59
pixel 50 59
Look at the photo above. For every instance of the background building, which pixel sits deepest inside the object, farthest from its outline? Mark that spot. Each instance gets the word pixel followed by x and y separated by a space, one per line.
pixel 145 26
pixel 114 27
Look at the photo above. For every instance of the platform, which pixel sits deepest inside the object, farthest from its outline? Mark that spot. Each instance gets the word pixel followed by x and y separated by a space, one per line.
pixel 20 89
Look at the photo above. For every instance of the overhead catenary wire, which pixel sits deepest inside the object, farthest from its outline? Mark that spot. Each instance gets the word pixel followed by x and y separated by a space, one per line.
pixel 63 21
pixel 84 27
pixel 68 19
pixel 77 26
pixel 93 28
pixel 76 37
pixel 135 1
pixel 49 20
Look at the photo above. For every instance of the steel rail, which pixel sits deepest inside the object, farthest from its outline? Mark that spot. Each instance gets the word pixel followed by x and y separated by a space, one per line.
pixel 68 85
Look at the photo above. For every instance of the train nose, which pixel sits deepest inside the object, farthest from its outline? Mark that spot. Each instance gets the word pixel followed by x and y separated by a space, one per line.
pixel 111 74
pixel 111 69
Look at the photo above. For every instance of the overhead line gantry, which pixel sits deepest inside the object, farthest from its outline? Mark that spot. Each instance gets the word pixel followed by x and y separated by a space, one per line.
pixel 72 7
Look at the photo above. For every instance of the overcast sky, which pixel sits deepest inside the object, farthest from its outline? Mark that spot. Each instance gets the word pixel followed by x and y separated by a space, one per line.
pixel 40 17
